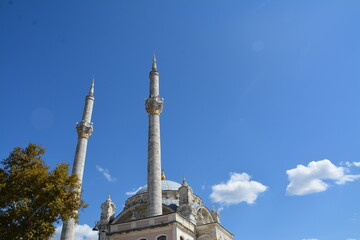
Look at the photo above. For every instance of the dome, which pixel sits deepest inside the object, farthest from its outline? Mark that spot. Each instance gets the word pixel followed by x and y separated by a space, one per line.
pixel 165 185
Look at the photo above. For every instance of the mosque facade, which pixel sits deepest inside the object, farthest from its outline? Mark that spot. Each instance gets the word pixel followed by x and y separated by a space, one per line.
pixel 184 217
pixel 162 209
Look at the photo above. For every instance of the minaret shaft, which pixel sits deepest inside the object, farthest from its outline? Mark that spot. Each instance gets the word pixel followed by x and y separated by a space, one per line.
pixel 154 105
pixel 89 103
pixel 84 130
pixel 80 156
pixel 154 84
pixel 154 166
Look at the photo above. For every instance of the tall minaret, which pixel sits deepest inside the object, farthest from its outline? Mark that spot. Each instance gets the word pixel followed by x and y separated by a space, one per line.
pixel 84 130
pixel 154 106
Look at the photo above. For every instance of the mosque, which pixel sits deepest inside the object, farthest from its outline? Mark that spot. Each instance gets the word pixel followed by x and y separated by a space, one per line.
pixel 162 209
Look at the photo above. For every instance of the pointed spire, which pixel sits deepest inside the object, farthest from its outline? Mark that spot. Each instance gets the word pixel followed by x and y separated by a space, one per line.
pixel 184 183
pixel 91 91
pixel 154 67
pixel 163 177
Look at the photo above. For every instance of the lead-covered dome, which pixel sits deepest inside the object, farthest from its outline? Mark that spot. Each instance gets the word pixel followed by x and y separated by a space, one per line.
pixel 176 197
pixel 165 186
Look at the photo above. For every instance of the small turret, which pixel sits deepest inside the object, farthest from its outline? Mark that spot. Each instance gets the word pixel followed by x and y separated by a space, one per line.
pixel 108 210
pixel 186 195
pixel 107 215
pixel 215 214
pixel 184 183
pixel 186 202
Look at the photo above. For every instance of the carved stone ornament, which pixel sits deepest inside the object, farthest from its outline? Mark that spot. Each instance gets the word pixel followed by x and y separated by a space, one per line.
pixel 84 129
pixel 154 105
pixel 107 210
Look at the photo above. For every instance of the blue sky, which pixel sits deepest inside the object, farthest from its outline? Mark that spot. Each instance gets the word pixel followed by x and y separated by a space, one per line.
pixel 261 104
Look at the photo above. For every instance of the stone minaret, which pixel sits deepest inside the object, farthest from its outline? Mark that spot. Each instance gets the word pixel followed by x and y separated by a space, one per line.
pixel 154 106
pixel 84 130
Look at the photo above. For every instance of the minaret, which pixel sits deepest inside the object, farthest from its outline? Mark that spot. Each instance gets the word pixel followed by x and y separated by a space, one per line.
pixel 84 130
pixel 154 106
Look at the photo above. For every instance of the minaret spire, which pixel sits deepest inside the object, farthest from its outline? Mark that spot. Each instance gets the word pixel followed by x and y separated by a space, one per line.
pixel 154 67
pixel 154 106
pixel 91 91
pixel 84 130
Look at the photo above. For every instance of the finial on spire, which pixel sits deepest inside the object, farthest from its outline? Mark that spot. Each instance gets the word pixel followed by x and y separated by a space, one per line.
pixel 91 91
pixel 163 177
pixel 184 183
pixel 109 197
pixel 154 67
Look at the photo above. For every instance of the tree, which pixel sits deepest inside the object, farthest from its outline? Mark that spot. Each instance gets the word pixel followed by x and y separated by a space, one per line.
pixel 32 198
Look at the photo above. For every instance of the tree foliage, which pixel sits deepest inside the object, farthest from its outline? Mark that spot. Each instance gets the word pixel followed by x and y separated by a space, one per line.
pixel 32 198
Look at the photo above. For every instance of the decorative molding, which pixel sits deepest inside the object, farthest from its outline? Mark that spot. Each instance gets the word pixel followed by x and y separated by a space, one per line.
pixel 84 129
pixel 154 105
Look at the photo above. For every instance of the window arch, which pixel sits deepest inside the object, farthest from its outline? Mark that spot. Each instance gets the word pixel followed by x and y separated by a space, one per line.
pixel 182 238
pixel 163 237
pixel 205 237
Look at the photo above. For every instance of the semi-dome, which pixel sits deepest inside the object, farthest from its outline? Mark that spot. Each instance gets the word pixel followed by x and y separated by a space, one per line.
pixel 165 185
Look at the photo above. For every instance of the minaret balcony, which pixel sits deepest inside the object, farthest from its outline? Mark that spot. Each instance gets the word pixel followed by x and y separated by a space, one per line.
pixel 84 129
pixel 154 105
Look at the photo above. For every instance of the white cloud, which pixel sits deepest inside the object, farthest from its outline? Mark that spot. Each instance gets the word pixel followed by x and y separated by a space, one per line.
pixel 133 192
pixel 82 232
pixel 310 179
pixel 357 164
pixel 350 164
pixel 106 173
pixel 347 178
pixel 239 188
pixel 347 164
pixel 351 239
pixel 220 209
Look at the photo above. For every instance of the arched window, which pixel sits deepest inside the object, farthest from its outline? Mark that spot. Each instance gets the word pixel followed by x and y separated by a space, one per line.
pixel 161 238
pixel 182 238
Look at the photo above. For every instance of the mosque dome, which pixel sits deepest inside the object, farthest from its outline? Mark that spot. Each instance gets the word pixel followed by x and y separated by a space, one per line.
pixel 166 185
